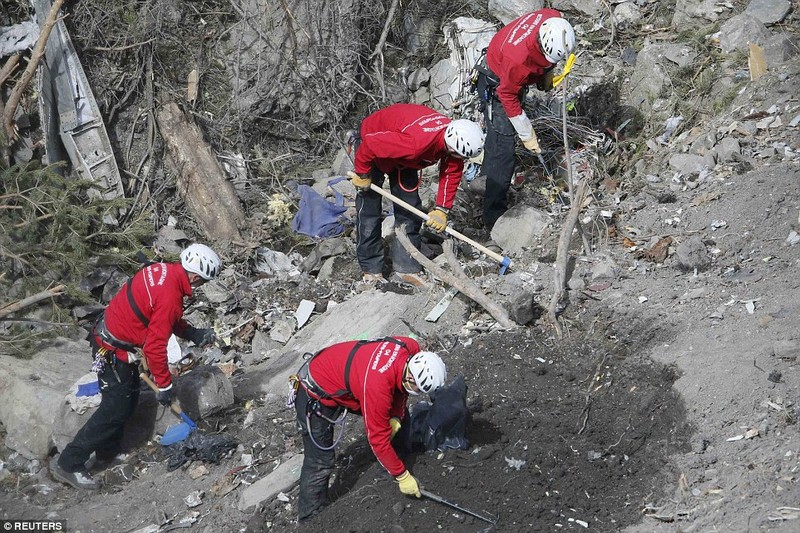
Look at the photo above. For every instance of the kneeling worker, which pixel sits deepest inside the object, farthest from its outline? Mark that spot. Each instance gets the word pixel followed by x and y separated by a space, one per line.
pixel 369 378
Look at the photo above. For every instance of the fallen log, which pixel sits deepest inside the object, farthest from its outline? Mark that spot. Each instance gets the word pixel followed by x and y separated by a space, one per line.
pixel 201 181
pixel 30 300
pixel 464 285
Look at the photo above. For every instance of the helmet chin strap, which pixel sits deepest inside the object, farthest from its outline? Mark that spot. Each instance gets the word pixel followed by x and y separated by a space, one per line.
pixel 409 391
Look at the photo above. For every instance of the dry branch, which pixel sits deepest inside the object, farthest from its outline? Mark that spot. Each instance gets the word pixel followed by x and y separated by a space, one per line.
pixel 22 83
pixel 464 285
pixel 560 268
pixel 30 300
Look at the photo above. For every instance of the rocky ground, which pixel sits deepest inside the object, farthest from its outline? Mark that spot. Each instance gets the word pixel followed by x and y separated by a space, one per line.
pixel 669 404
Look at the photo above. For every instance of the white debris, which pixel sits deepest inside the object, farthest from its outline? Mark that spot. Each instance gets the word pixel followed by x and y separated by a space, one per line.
pixel 282 497
pixel 194 499
pixel 516 464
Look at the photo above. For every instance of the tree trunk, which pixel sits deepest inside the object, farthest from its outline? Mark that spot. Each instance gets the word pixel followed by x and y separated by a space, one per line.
pixel 201 181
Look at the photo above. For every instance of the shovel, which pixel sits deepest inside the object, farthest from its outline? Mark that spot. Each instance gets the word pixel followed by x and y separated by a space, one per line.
pixel 505 262
pixel 178 432
pixel 439 499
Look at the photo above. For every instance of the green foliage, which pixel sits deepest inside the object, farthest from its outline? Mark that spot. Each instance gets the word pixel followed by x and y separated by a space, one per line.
pixel 51 223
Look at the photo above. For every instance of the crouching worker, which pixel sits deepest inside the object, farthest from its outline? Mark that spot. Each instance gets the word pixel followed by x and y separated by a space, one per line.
pixel 142 315
pixel 369 378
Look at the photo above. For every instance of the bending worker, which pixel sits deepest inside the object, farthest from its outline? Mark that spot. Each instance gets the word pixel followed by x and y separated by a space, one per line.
pixel 399 141
pixel 369 378
pixel 145 312
pixel 522 53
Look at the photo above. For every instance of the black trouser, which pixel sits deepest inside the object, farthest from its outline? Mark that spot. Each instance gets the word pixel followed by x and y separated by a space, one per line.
pixel 499 154
pixel 404 184
pixel 102 433
pixel 317 463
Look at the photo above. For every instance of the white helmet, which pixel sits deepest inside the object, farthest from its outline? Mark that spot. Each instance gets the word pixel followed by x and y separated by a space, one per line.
pixel 464 137
pixel 201 260
pixel 557 39
pixel 428 371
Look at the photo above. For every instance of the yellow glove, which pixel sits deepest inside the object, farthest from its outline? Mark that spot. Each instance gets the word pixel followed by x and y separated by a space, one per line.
pixel 359 182
pixel 437 219
pixel 408 484
pixel 394 422
pixel 532 144
pixel 567 68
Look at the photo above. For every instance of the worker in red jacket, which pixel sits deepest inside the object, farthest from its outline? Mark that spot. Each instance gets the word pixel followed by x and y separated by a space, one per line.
pixel 522 53
pixel 145 312
pixel 373 379
pixel 398 142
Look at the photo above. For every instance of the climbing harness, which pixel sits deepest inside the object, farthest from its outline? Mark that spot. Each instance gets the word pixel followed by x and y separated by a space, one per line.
pixel 303 378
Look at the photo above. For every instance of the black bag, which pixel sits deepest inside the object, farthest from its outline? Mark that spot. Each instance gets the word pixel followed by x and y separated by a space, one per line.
pixel 442 424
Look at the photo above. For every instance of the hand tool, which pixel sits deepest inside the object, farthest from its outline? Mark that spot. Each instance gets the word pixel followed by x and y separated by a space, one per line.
pixel 505 262
pixel 439 499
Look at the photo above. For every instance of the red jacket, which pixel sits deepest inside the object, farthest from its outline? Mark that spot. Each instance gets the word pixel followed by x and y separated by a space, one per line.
pixel 158 291
pixel 409 136
pixel 516 57
pixel 376 384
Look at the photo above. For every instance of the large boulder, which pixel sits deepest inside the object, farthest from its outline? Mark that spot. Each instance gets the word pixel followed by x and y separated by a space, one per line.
pixel 33 390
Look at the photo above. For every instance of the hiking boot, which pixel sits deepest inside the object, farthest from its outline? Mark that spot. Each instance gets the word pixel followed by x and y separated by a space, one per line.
pixel 78 480
pixel 373 279
pixel 419 280
pixel 105 462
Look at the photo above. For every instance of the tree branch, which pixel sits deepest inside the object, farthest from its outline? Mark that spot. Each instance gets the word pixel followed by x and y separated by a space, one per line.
pixel 22 83
pixel 464 285
pixel 30 300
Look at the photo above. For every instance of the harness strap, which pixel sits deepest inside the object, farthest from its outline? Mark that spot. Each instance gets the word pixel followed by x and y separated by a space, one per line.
pixel 305 378
pixel 132 302
pixel 101 330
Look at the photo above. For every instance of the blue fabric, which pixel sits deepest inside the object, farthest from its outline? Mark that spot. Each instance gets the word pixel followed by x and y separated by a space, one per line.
pixel 316 216
pixel 88 389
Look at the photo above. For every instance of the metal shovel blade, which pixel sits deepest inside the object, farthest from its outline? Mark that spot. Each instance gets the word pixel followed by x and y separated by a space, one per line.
pixel 176 433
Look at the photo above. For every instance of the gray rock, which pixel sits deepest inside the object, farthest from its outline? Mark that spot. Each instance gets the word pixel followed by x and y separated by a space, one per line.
pixel 780 48
pixel 649 76
pixel 281 331
pixel 260 348
pixel 589 7
pixel 687 164
pixel 605 268
pixel 693 13
pixel 769 11
pixel 419 78
pixel 738 31
pixel 507 10
pixel 279 480
pixel 519 227
pixel 728 149
pixel 691 254
pixel 627 14
pixel 33 390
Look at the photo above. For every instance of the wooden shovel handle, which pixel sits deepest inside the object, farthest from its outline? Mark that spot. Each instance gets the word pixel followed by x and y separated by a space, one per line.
pixel 494 255
pixel 174 405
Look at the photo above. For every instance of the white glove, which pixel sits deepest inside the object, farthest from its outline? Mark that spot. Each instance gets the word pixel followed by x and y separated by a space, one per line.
pixel 532 144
